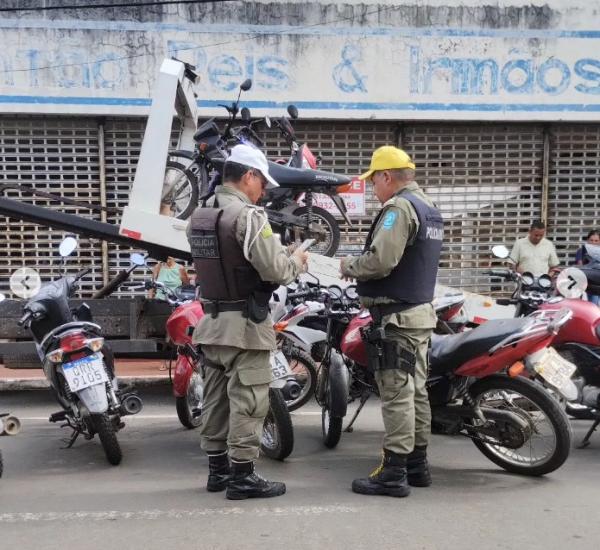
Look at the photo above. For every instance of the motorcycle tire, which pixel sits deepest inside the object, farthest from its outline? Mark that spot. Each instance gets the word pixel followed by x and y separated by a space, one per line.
pixel 188 408
pixel 193 178
pixel 277 440
pixel 105 428
pixel 544 402
pixel 331 426
pixel 308 370
pixel 322 217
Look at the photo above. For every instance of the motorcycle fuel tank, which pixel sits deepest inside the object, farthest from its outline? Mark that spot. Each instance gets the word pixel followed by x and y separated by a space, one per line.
pixel 182 322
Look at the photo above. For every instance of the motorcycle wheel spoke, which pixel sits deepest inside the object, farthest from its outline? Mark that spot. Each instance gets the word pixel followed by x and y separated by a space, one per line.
pixel 537 446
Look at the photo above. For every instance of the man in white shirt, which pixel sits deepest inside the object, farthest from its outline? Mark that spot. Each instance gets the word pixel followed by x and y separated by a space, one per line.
pixel 535 253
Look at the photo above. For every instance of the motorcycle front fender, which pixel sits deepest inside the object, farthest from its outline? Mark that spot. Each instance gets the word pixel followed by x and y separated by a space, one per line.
pixel 181 376
pixel 94 398
pixel 303 336
pixel 339 386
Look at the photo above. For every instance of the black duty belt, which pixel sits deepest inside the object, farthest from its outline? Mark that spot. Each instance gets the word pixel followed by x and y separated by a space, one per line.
pixel 214 308
pixel 379 311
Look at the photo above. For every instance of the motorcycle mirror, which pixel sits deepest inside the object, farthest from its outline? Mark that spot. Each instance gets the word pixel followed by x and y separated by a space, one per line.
pixel 246 85
pixel 292 111
pixel 268 121
pixel 285 124
pixel 2 297
pixel 500 251
pixel 571 282
pixel 137 259
pixel 246 114
pixel 67 246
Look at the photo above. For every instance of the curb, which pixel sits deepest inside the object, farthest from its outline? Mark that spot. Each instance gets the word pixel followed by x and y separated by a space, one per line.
pixel 18 384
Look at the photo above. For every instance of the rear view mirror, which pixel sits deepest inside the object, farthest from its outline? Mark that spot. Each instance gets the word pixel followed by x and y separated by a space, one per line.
pixel 500 251
pixel 246 85
pixel 292 111
pixel 2 297
pixel 137 259
pixel 67 246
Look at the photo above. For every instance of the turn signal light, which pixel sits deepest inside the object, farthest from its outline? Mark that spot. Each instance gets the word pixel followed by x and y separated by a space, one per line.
pixel 55 356
pixel 279 326
pixel 95 344
pixel 516 369
pixel 344 188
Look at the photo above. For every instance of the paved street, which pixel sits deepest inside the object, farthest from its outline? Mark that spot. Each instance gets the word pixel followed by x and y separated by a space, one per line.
pixel 52 498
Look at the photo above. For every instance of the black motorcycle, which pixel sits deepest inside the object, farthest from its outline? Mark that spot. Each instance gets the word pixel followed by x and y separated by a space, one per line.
pixel 76 361
pixel 191 176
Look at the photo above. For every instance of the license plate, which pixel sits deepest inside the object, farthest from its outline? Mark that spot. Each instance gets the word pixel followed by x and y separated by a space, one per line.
pixel 279 366
pixel 85 372
pixel 554 369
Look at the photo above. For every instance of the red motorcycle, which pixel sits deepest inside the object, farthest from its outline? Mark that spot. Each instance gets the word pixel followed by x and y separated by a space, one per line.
pixel 278 433
pixel 475 384
pixel 578 341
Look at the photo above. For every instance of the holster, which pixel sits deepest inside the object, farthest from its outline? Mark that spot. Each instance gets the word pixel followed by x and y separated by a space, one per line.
pixel 385 354
pixel 258 306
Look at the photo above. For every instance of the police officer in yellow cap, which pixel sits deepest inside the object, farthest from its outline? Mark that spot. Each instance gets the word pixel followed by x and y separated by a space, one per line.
pixel 396 275
pixel 238 262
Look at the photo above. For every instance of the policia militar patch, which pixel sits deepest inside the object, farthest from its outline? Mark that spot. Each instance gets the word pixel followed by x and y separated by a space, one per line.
pixel 205 245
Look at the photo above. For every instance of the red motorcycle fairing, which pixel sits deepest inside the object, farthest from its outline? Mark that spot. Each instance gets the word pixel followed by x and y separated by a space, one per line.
pixel 583 328
pixel 182 374
pixel 352 345
pixel 182 321
pixel 485 365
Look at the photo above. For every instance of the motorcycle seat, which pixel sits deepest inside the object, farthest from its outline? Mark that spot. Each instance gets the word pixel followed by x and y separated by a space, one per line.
pixel 305 177
pixel 448 352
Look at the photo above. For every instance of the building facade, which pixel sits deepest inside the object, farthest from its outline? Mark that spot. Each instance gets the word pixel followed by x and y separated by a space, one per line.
pixel 498 104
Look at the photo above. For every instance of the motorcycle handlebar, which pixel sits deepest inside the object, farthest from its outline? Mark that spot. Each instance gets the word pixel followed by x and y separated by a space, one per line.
pixel 25 318
pixel 111 286
pixel 302 294
pixel 504 273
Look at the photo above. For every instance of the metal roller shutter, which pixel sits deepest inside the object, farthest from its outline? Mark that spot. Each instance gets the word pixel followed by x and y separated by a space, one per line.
pixel 55 155
pixel 486 179
pixel 574 191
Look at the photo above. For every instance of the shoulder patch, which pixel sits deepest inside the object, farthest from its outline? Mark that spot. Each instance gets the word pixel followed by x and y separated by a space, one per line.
pixel 390 219
pixel 266 231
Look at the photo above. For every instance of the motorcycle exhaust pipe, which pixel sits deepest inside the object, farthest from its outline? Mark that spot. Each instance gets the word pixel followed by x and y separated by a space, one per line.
pixel 131 404
pixel 11 425
pixel 291 390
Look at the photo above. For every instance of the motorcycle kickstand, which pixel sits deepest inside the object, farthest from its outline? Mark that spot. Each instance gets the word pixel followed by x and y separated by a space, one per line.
pixel 363 399
pixel 586 440
pixel 71 441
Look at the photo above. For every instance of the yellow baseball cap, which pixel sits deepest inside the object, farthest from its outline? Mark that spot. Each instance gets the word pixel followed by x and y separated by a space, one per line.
pixel 387 157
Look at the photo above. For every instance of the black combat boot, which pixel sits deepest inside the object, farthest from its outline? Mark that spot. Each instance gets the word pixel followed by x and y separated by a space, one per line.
pixel 418 467
pixel 389 478
pixel 219 472
pixel 246 483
